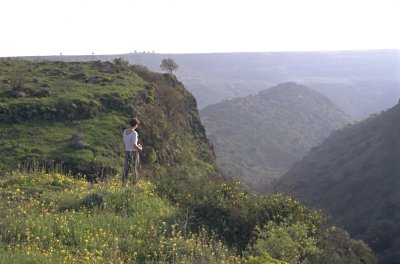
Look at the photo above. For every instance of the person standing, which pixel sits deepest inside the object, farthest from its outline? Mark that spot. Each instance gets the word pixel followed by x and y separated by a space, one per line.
pixel 130 139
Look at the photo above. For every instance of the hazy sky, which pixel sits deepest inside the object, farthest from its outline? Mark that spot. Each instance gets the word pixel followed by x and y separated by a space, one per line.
pixel 44 27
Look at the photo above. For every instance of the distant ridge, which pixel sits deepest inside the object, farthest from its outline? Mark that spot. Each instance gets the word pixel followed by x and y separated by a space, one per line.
pixel 360 82
pixel 355 175
pixel 258 138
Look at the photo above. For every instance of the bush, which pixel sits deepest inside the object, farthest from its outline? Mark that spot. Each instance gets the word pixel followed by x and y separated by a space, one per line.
pixel 121 64
pixel 289 242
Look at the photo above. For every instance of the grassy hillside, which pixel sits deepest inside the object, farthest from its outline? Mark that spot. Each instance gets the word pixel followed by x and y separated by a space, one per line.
pixel 74 114
pixel 51 218
pixel 258 138
pixel 42 105
pixel 354 175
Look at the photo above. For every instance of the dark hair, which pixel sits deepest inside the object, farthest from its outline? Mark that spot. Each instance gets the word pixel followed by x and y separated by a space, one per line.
pixel 134 121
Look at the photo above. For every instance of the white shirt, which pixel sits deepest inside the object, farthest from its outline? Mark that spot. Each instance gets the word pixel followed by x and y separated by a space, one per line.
pixel 130 138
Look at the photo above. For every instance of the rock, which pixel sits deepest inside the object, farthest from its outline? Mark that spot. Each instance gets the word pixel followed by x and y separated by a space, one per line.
pixel 44 92
pixel 78 142
pixel 105 67
pixel 79 76
pixel 99 80
pixel 18 94
pixel 16 146
pixel 53 72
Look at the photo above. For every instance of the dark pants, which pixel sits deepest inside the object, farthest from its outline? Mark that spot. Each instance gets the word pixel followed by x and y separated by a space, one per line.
pixel 130 167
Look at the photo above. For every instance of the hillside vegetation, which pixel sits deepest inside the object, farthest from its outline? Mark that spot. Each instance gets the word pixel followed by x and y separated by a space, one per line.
pixel 354 175
pixel 52 218
pixel 74 114
pixel 258 138
pixel 60 191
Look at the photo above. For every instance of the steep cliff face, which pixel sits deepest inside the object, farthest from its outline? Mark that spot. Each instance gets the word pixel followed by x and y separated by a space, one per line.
pixel 74 113
pixel 355 175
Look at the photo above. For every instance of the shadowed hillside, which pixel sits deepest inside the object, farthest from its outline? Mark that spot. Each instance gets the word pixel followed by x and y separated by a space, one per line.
pixel 258 138
pixel 355 175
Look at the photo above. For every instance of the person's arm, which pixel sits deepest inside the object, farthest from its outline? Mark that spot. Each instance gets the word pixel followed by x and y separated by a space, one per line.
pixel 135 142
pixel 123 143
pixel 138 146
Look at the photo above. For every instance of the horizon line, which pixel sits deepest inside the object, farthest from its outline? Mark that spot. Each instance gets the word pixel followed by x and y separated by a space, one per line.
pixel 203 53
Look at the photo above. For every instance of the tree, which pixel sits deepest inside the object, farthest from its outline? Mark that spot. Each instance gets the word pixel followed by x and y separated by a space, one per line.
pixel 168 65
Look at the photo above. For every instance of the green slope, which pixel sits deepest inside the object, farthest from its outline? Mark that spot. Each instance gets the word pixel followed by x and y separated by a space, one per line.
pixel 354 175
pixel 258 138
pixel 52 218
pixel 43 106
